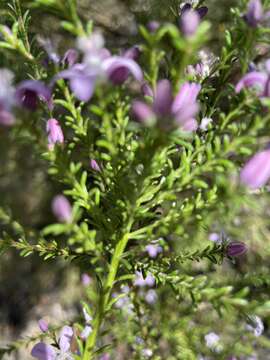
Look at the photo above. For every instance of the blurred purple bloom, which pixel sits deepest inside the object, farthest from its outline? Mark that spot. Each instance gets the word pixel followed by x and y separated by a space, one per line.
pixel 7 98
pixel 202 10
pixel 253 79
pixel 43 325
pixel 51 53
pixel 254 13
pixel 255 325
pixel 146 90
pixel 119 68
pixel 86 279
pixel 54 132
pixel 153 250
pixel 42 351
pixel 97 64
pixel 29 92
pixel 189 22
pixel 153 26
pixel 215 237
pixel 65 338
pixel 133 53
pixel 141 282
pixel 70 57
pixel 183 108
pixel 256 171
pixel 212 340
pixel 94 165
pixel 105 356
pixel 236 248
pixel 86 332
pixel 151 296
pixel 82 80
pixel 62 209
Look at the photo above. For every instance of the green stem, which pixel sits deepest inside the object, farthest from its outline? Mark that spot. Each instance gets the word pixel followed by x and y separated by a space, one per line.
pixel 105 297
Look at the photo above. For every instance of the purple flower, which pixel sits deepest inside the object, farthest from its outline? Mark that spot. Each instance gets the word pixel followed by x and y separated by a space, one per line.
pixel 54 132
pixel 189 22
pixel 255 79
pixel 94 165
pixel 86 279
pixel 153 250
pixel 70 57
pixel 105 356
pixel 43 325
pixel 7 98
pixel 88 328
pixel 29 92
pixel 202 10
pixel 42 351
pixel 119 68
pixel 82 80
pixel 151 296
pixel 254 13
pixel 141 282
pixel 99 64
pixel 51 53
pixel 153 26
pixel 256 171
pixel 182 108
pixel 212 340
pixel 146 89
pixel 236 248
pixel 66 336
pixel 62 209
pixel 255 325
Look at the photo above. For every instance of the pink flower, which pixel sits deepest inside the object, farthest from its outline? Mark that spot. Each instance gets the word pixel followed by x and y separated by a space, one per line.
pixel 256 171
pixel 62 209
pixel 54 132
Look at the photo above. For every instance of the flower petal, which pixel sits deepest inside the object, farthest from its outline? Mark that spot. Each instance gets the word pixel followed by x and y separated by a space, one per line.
pixel 163 98
pixel 256 172
pixel 65 338
pixel 252 79
pixel 116 63
pixel 42 351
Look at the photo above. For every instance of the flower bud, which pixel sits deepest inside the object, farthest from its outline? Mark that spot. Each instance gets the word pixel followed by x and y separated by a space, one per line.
pixel 236 248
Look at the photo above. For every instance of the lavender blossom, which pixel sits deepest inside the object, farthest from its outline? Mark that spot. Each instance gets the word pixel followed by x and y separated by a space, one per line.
pixel 62 209
pixel 182 108
pixel 98 64
pixel 70 57
pixel 65 338
pixel 7 99
pixel 54 132
pixel 256 171
pixel 189 22
pixel 153 250
pixel 236 248
pixel 212 340
pixel 151 296
pixel 255 325
pixel 29 92
pixel 43 325
pixel 86 279
pixel 141 282
pixel 42 351
pixel 202 10
pixel 94 165
pixel 153 26
pixel 254 15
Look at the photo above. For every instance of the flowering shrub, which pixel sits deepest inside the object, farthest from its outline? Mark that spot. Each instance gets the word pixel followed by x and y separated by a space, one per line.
pixel 159 156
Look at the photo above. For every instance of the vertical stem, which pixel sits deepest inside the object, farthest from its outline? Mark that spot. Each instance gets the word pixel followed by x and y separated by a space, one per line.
pixel 105 297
